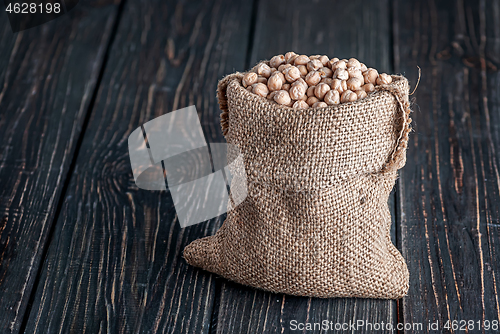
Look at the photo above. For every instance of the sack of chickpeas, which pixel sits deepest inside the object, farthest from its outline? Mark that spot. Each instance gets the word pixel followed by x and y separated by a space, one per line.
pixel 322 140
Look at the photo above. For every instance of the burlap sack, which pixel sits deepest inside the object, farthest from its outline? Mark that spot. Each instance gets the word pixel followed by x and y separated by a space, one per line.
pixel 316 221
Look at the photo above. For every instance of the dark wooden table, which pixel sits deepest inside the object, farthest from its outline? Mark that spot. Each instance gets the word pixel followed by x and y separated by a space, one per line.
pixel 83 250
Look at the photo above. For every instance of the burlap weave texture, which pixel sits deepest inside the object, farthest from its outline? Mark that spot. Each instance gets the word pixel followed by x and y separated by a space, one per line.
pixel 316 220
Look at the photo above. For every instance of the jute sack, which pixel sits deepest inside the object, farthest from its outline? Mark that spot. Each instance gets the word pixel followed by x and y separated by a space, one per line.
pixel 316 221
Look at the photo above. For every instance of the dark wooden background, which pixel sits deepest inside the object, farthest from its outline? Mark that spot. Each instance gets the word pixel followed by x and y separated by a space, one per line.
pixel 83 250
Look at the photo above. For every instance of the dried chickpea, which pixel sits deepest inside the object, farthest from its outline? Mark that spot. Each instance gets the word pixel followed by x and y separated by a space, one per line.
pixel 282 67
pixel 313 78
pixel 249 79
pixel 369 87
pixel 297 91
pixel 353 62
pixel 339 85
pixel 384 79
pixel 291 73
pixel 324 60
pixel 348 96
pixel 363 68
pixel 355 73
pixel 292 59
pixel 262 80
pixel 341 74
pixel 312 100
pixel 303 70
pixel 360 93
pixel 301 60
pixel 325 72
pixel 271 96
pixel 276 61
pixel 332 97
pixel 339 64
pixel 260 89
pixel 320 105
pixel 273 70
pixel 302 82
pixel 331 62
pixel 314 57
pixel 288 55
pixel 370 76
pixel 354 84
pixel 263 70
pixel 303 98
pixel 300 105
pixel 286 86
pixel 314 65
pixel 321 90
pixel 250 89
pixel 282 97
pixel 275 81
pixel 328 81
pixel 310 91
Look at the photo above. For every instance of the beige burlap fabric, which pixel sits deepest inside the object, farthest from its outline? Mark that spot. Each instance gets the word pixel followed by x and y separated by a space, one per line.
pixel 316 221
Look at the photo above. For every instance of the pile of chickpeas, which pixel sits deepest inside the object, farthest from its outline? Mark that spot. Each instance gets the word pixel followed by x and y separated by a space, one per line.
pixel 301 81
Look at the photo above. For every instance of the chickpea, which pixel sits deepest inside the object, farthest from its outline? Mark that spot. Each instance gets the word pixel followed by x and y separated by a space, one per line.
pixel 369 87
pixel 263 70
pixel 325 72
pixel 314 65
pixel 353 62
pixel 360 93
pixel 313 78
pixel 320 105
pixel 289 55
pixel 250 89
pixel 331 62
pixel 300 105
pixel 249 79
pixel 291 73
pixel 355 73
pixel 297 91
pixel 282 97
pixel 275 81
pixel 262 80
pixel 282 67
pixel 286 86
pixel 324 60
pixel 339 64
pixel 363 68
pixel 291 61
pixel 303 70
pixel 332 97
pixel 339 85
pixel 354 84
pixel 341 74
pixel 348 96
pixel 310 91
pixel 328 81
pixel 370 76
pixel 384 79
pixel 301 60
pixel 312 100
pixel 321 90
pixel 276 61
pixel 302 82
pixel 260 89
pixel 271 95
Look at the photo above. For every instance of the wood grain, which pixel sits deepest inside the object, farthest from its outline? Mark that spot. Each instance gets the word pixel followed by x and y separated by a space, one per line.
pixel 47 77
pixel 322 27
pixel 114 264
pixel 449 190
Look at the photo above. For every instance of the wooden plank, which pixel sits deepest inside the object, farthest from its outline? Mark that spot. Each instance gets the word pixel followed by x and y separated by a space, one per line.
pixel 449 190
pixel 47 78
pixel 115 262
pixel 352 29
